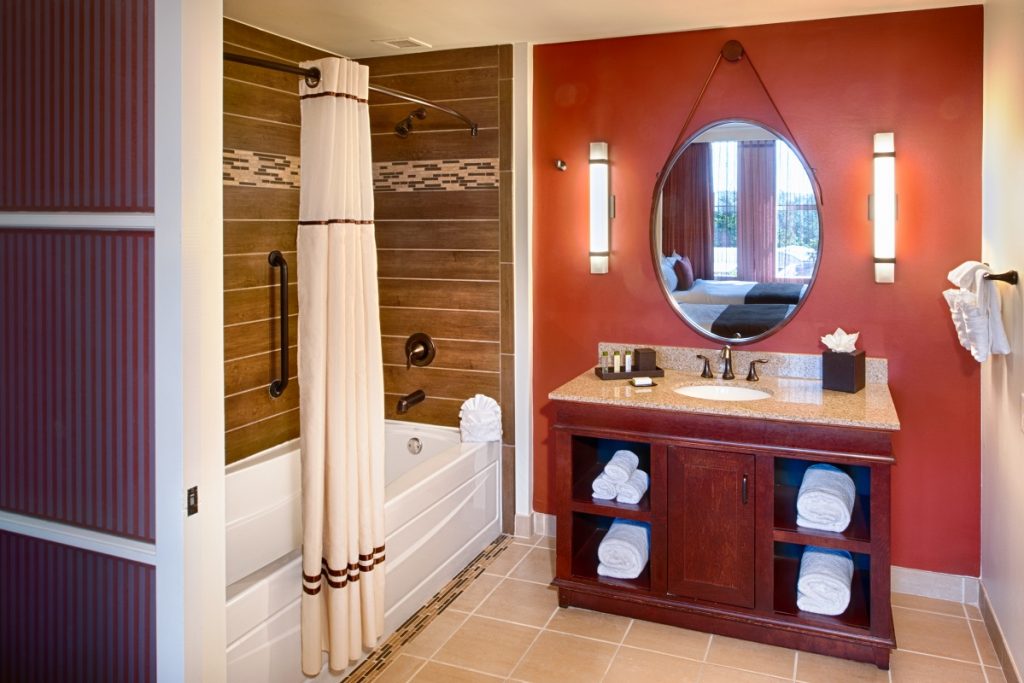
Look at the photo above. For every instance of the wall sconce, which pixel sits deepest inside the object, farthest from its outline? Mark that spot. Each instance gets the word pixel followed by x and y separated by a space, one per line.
pixel 884 208
pixel 600 208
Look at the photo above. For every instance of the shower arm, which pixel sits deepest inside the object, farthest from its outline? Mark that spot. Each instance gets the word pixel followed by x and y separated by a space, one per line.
pixel 312 76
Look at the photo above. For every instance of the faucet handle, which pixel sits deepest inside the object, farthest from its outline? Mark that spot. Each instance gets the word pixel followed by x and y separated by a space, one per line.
pixel 726 351
pixel 706 372
pixel 752 373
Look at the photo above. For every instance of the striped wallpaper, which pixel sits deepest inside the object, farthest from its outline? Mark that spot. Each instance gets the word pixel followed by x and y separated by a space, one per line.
pixel 76 116
pixel 72 615
pixel 76 361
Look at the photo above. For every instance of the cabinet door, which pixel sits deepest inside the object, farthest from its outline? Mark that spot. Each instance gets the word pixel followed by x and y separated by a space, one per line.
pixel 711 525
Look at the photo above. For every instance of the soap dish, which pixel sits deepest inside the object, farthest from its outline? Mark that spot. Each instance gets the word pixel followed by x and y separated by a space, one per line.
pixel 605 373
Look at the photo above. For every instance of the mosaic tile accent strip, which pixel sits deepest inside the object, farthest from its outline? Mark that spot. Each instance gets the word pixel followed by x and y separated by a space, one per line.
pixel 381 658
pixel 448 174
pixel 260 169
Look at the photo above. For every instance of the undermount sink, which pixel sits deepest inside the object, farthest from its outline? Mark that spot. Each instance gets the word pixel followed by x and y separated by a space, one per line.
pixel 719 392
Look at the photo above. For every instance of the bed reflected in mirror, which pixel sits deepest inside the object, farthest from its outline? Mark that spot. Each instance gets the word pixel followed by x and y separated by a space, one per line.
pixel 736 231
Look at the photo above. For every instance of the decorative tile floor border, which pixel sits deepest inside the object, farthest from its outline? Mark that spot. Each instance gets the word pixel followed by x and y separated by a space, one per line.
pixel 385 654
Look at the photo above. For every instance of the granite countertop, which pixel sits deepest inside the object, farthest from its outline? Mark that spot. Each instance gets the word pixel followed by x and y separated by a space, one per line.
pixel 792 399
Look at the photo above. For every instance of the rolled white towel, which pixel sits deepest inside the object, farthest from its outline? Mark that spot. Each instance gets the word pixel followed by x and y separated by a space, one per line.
pixel 620 468
pixel 824 583
pixel 604 488
pixel 826 498
pixel 624 550
pixel 633 490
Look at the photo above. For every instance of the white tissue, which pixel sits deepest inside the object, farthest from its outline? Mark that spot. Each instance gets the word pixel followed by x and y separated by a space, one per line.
pixel 480 419
pixel 840 342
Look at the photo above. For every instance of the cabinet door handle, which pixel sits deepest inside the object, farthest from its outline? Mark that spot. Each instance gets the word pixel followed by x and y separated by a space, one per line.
pixel 743 489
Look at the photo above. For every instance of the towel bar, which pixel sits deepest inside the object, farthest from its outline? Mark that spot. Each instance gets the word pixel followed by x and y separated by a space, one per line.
pixel 1009 276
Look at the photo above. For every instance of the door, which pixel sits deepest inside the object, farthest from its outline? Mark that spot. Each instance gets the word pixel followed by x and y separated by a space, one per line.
pixel 711 525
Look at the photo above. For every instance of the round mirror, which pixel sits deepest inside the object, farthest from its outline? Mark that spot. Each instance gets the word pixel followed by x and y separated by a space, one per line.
pixel 736 231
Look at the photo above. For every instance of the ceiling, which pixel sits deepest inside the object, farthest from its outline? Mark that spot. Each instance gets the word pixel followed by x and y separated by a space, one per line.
pixel 348 27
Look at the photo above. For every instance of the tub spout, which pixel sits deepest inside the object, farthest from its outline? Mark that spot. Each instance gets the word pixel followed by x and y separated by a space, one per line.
pixel 410 400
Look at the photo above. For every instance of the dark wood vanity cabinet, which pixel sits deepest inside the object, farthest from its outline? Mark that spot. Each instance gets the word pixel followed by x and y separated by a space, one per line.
pixel 725 547
pixel 710 526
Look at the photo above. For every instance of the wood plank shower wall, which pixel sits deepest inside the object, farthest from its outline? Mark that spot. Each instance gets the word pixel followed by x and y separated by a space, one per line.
pixel 444 234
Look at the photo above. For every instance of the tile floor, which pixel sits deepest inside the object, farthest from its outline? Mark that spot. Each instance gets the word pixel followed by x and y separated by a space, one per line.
pixel 506 626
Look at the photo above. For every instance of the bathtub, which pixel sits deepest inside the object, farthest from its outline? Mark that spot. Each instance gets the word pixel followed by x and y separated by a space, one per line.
pixel 442 508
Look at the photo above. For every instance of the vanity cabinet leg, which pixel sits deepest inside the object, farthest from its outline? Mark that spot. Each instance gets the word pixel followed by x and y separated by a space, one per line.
pixel 563 598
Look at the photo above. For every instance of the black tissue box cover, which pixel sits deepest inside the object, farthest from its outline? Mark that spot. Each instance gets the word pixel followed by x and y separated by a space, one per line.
pixel 843 371
pixel 644 359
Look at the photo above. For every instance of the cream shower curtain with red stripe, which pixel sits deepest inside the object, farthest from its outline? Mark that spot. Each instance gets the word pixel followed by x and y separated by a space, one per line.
pixel 340 374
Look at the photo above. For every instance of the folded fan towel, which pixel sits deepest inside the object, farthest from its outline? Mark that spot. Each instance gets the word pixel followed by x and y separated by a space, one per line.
pixel 620 468
pixel 976 311
pixel 480 419
pixel 604 488
pixel 826 498
pixel 624 550
pixel 633 490
pixel 824 583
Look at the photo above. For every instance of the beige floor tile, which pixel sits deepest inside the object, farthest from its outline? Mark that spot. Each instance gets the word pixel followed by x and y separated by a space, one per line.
pixel 973 612
pixel 486 645
pixel 644 666
pixel 908 667
pixel 812 668
pixel 435 672
pixel 934 634
pixel 538 565
pixel 546 542
pixel 985 648
pixel 561 658
pixel 508 559
pixel 521 602
pixel 474 593
pixel 721 674
pixel 430 639
pixel 668 639
pixel 953 609
pixel 401 670
pixel 583 622
pixel 743 654
pixel 994 675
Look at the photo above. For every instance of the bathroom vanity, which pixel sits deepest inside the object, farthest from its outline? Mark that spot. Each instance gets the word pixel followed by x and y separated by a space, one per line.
pixel 725 547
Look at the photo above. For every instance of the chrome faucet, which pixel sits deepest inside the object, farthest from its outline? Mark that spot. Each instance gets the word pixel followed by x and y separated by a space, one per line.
pixel 409 400
pixel 727 366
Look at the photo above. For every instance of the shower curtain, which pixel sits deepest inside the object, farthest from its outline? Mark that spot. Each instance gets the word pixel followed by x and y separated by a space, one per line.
pixel 340 374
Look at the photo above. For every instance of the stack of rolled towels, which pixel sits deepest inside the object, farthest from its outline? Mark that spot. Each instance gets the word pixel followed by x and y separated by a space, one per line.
pixel 825 502
pixel 826 498
pixel 824 583
pixel 621 480
pixel 624 550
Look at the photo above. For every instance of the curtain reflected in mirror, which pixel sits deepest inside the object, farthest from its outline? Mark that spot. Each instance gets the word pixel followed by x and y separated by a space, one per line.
pixel 736 230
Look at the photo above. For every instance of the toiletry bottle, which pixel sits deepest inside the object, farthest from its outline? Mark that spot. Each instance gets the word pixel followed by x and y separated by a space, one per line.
pixel 617 361
pixel 629 361
pixel 604 361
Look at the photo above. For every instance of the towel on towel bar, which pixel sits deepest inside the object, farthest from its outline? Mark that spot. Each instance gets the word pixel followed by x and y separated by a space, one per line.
pixel 826 498
pixel 604 488
pixel 633 490
pixel 976 311
pixel 824 583
pixel 624 550
pixel 620 468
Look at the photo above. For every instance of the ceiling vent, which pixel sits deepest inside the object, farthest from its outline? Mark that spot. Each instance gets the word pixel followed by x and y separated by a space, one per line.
pixel 401 43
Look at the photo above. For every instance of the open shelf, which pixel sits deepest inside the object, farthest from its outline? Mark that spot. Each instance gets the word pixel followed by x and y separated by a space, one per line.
pixel 588 531
pixel 856 537
pixel 856 617
pixel 583 500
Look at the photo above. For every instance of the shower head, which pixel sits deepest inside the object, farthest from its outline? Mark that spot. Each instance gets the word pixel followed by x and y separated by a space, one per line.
pixel 404 127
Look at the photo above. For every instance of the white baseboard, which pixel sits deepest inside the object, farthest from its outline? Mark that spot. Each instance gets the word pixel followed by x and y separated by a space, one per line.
pixel 935 585
pixel 544 524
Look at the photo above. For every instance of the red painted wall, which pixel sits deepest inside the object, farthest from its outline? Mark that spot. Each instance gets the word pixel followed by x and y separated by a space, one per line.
pixel 837 82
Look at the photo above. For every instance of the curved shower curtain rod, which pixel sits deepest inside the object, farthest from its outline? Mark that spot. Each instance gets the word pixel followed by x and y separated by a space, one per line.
pixel 312 77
